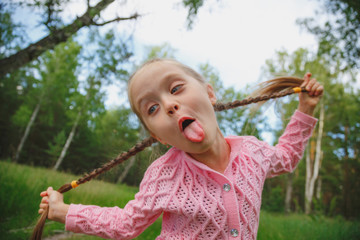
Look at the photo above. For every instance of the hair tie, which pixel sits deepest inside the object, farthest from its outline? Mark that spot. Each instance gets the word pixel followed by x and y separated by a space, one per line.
pixel 74 184
pixel 297 89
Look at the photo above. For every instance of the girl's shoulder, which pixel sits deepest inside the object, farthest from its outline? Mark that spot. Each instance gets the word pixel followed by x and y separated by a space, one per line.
pixel 240 141
pixel 165 165
pixel 247 144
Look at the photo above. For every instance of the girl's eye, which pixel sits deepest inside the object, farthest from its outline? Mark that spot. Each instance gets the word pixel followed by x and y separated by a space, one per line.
pixel 152 109
pixel 175 89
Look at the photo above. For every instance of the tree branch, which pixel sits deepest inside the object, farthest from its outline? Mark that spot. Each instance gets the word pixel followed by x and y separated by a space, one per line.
pixel 118 19
pixel 28 54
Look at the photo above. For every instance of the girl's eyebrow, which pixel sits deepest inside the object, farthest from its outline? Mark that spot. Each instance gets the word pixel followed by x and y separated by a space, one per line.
pixel 166 79
pixel 142 98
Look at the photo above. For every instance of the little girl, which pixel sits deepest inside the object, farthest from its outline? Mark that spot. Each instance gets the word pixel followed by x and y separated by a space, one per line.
pixel 207 186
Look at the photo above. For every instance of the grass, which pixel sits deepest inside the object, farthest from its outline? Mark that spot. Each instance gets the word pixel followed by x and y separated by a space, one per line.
pixel 303 227
pixel 19 198
pixel 21 185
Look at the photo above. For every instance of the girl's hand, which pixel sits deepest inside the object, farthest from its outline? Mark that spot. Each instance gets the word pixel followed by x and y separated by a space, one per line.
pixel 309 100
pixel 55 202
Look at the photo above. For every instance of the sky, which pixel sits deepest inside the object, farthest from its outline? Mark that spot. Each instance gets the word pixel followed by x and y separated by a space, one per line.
pixel 235 37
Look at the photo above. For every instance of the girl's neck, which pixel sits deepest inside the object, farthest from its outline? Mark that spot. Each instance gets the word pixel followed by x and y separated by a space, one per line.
pixel 217 157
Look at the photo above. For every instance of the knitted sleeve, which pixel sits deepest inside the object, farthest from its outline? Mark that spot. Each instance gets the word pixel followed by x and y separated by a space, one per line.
pixel 289 151
pixel 127 223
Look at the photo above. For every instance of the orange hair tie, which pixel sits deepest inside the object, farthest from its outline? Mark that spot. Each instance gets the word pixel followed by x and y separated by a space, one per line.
pixel 74 184
pixel 297 89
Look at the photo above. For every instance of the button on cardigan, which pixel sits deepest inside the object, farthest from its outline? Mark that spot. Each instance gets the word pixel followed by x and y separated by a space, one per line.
pixel 196 201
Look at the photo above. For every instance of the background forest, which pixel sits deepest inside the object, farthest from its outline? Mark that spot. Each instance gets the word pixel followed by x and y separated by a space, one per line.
pixel 53 113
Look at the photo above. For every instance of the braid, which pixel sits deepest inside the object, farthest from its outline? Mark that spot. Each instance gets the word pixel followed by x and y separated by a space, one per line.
pixel 271 89
pixel 275 88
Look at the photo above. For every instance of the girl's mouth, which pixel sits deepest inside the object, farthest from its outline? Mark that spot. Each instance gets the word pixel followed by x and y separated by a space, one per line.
pixel 186 123
pixel 191 129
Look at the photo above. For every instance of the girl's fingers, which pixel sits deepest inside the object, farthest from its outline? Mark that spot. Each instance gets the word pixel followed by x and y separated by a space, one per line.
pixel 306 79
pixel 47 192
pixel 43 194
pixel 314 87
pixel 310 84
pixel 316 90
pixel 45 200
pixel 319 90
pixel 43 205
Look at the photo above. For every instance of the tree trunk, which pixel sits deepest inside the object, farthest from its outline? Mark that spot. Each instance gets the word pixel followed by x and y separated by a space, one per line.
pixel 313 163
pixel 318 188
pixel 346 171
pixel 75 125
pixel 24 56
pixel 27 131
pixel 130 163
pixel 68 141
pixel 307 180
pixel 289 189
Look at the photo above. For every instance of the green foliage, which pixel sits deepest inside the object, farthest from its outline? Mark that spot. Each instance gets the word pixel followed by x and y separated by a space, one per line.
pixel 11 34
pixel 339 35
pixel 247 121
pixel 12 91
pixel 162 51
pixel 22 116
pixel 118 130
pixel 53 88
pixel 340 142
pixel 193 8
pixel 107 57
pixel 55 146
pixel 274 202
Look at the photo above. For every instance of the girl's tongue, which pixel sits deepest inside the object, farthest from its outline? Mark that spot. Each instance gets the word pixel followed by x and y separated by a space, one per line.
pixel 194 132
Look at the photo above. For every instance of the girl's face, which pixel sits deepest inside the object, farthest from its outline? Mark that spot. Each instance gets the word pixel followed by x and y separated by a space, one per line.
pixel 176 108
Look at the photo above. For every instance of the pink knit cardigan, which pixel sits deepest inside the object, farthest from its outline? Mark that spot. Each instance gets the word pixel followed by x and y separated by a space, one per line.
pixel 196 201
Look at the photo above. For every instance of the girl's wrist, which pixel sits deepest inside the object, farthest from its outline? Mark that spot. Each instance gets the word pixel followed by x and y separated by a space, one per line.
pixel 61 212
pixel 306 109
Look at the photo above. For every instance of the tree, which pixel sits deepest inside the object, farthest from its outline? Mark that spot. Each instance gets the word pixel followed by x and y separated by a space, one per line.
pixel 105 65
pixel 343 135
pixel 337 114
pixel 57 34
pixel 313 157
pixel 298 64
pixel 341 30
pixel 240 121
pixel 57 81
pixel 117 131
pixel 11 90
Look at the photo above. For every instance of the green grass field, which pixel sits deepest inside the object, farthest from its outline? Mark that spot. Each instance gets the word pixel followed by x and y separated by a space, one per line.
pixel 19 198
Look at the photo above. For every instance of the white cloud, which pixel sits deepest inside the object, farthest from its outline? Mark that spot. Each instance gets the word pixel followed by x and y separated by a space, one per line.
pixel 236 37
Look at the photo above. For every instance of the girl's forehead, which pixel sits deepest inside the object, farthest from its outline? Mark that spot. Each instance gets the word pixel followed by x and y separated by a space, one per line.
pixel 157 70
pixel 150 75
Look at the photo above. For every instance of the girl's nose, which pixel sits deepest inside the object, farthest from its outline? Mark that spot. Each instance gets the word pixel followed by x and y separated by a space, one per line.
pixel 173 108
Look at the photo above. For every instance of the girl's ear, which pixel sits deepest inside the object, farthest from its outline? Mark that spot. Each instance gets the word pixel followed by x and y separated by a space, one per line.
pixel 211 94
